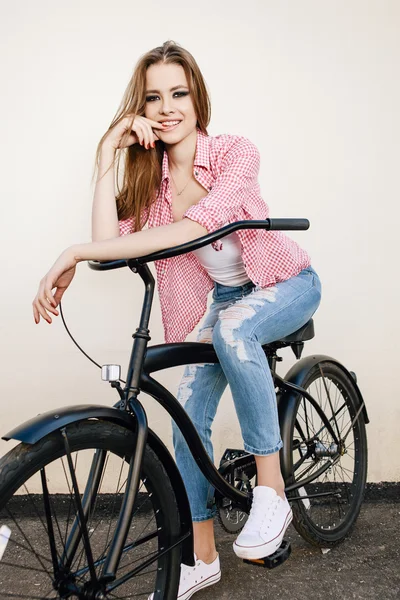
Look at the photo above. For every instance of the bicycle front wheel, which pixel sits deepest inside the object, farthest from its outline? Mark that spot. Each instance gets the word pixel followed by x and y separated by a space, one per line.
pixel 46 553
pixel 325 508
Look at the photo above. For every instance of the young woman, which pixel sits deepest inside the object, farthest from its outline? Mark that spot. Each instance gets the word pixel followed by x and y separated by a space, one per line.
pixel 185 184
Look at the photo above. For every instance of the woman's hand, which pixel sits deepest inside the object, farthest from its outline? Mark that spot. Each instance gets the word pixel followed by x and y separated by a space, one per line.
pixel 127 132
pixel 59 276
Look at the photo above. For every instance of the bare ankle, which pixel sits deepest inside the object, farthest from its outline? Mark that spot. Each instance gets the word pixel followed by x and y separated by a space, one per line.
pixel 269 473
pixel 281 493
pixel 204 540
pixel 207 556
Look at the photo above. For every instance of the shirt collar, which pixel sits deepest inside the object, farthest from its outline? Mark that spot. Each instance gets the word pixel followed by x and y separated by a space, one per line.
pixel 202 156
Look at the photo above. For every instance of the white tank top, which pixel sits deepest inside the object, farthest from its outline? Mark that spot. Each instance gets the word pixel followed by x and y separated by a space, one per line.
pixel 224 266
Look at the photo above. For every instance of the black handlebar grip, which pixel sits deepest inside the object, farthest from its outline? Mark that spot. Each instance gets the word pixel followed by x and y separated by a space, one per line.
pixel 289 224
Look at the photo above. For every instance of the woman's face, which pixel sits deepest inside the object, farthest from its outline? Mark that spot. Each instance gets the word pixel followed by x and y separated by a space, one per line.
pixel 168 99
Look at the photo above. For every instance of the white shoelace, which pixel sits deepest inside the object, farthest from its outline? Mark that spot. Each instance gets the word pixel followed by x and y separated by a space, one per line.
pixel 260 515
pixel 186 569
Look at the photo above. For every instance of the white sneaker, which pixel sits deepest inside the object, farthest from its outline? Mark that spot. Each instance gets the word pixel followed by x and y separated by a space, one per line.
pixel 196 578
pixel 268 520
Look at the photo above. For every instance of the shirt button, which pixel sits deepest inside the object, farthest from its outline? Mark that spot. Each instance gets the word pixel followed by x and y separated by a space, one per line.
pixel 210 188
pixel 196 172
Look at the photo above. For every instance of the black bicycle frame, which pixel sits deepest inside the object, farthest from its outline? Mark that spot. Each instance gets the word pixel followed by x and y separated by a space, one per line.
pixel 144 360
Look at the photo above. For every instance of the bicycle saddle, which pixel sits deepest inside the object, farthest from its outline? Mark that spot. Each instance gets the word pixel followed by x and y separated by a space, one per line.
pixel 301 335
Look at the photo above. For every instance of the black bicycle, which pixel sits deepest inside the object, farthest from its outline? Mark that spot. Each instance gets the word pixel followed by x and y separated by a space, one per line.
pixel 92 504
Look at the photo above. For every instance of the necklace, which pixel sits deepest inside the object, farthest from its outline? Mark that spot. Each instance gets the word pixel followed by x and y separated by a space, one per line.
pixel 176 187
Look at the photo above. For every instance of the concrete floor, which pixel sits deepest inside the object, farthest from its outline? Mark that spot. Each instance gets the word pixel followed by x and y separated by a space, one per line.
pixel 365 566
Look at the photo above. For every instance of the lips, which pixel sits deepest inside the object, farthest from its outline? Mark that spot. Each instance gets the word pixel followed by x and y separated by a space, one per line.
pixel 169 125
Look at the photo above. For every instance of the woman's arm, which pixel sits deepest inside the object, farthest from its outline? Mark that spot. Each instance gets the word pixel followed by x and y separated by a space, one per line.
pixel 104 211
pixel 237 179
pixel 239 173
pixel 131 245
pixel 140 243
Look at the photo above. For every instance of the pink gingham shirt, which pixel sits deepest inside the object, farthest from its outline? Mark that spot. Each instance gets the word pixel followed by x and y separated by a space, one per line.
pixel 227 166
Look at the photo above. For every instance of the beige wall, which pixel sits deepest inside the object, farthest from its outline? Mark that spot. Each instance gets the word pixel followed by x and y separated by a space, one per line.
pixel 314 84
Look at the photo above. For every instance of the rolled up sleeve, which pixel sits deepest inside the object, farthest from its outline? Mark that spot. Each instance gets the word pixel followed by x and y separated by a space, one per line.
pixel 238 176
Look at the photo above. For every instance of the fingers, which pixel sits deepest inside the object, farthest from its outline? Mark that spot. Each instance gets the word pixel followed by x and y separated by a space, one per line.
pixel 153 135
pixel 58 295
pixel 144 129
pixel 48 296
pixel 138 129
pixel 145 133
pixel 148 135
pixel 36 314
pixel 44 301
pixel 155 124
pixel 39 311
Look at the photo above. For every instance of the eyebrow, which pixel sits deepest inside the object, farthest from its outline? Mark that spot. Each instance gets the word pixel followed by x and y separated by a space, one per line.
pixel 171 90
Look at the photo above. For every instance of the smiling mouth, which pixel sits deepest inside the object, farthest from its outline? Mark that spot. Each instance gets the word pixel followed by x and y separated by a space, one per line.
pixel 170 125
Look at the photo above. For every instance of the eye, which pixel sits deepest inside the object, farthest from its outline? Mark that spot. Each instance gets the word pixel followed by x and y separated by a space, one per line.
pixel 178 94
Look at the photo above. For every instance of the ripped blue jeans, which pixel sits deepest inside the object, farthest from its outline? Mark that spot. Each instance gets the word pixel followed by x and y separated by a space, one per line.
pixel 240 320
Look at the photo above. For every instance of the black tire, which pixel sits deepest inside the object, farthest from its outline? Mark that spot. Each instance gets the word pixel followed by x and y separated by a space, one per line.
pixel 325 521
pixel 26 564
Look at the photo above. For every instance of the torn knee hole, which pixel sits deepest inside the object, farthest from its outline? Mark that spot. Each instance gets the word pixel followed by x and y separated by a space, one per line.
pixel 205 335
pixel 233 317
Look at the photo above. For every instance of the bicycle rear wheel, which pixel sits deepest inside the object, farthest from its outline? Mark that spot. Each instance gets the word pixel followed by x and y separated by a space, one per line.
pixel 327 518
pixel 46 557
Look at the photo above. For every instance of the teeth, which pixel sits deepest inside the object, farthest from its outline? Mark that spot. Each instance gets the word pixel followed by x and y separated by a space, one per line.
pixel 170 123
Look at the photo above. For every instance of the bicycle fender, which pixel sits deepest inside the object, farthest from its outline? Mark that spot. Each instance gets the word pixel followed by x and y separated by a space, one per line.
pixel 38 427
pixel 287 400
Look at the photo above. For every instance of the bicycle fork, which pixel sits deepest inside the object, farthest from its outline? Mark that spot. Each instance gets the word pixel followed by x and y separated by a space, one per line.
pixel 84 508
pixel 131 491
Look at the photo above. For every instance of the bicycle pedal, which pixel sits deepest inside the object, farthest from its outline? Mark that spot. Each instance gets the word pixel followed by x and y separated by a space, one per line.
pixel 273 560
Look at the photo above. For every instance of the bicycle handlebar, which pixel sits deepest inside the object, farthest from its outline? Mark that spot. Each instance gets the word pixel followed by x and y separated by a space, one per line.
pixel 268 224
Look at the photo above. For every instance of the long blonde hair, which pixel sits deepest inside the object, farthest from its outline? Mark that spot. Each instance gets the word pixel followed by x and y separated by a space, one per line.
pixel 142 168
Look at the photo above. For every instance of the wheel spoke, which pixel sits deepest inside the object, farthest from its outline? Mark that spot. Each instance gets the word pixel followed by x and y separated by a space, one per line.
pixel 31 549
pixel 333 499
pixel 70 504
pixel 329 400
pixel 79 509
pixel 50 529
pixel 62 499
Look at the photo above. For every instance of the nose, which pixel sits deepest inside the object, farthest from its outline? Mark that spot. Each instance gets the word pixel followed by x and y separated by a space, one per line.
pixel 166 107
